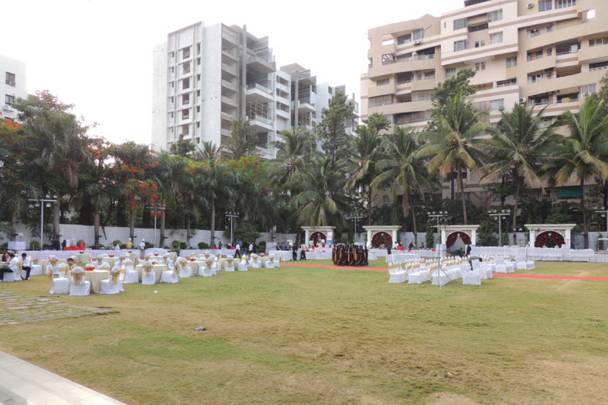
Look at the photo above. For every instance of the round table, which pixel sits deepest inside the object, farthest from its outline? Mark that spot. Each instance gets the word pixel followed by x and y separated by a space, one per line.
pixel 95 277
pixel 156 268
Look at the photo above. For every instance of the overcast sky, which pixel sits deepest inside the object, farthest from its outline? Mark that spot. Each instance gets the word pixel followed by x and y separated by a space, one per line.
pixel 97 54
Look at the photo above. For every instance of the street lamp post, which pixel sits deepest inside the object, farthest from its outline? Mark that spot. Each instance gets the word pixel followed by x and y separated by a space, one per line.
pixel 499 216
pixel 438 217
pixel 156 209
pixel 355 217
pixel 47 201
pixel 231 215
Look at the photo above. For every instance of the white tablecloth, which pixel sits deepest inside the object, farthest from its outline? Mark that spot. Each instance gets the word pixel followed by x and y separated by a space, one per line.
pixel 95 277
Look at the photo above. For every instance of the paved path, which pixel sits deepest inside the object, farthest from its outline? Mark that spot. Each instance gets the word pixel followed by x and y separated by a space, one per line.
pixel 25 383
pixel 497 275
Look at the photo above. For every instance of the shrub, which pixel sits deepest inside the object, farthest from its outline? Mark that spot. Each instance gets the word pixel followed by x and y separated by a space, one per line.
pixel 176 244
pixel 203 245
pixel 183 245
pixel 34 245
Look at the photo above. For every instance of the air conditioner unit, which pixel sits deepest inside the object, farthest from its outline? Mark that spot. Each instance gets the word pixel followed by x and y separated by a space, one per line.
pixel 418 42
pixel 530 6
pixel 522 100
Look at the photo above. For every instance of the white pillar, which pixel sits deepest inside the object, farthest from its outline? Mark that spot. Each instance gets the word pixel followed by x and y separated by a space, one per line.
pixel 474 237
pixel 306 236
pixel 369 239
pixel 568 238
pixel 394 237
pixel 532 241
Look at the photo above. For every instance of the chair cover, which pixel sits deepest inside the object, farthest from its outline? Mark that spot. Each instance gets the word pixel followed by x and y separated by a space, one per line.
pixel 60 286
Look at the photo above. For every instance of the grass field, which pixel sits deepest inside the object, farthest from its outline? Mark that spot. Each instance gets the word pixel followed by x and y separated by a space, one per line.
pixel 332 336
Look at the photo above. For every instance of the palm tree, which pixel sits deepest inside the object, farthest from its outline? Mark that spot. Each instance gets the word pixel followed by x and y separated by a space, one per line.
pixel 208 151
pixel 322 198
pixel 366 151
pixel 582 152
pixel 517 150
pixel 402 171
pixel 293 151
pixel 454 145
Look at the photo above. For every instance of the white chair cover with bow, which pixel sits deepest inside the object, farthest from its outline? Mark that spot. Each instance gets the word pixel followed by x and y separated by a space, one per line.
pixel 79 287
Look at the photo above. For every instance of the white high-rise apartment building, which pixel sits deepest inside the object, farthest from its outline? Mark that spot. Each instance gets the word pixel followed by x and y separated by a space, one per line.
pixel 12 85
pixel 207 78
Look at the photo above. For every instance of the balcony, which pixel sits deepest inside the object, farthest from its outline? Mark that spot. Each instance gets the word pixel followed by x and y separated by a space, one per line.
pixel 260 62
pixel 231 85
pixel 229 68
pixel 306 106
pixel 261 122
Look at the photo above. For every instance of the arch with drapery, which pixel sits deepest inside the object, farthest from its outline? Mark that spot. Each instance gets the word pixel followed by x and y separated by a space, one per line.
pixel 317 237
pixel 453 237
pixel 549 239
pixel 382 239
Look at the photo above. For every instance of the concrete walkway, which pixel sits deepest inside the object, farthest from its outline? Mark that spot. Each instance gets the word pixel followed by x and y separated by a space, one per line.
pixel 24 383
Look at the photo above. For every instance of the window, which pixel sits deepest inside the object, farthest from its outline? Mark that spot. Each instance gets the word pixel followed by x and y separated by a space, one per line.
pixel 382 82
pixel 186 53
pixel 511 61
pixel 598 41
pixel 497 105
pixel 198 61
pixel 496 38
pixel 598 66
pixel 418 35
pixel 186 83
pixel 460 23
pixel 186 68
pixel 198 49
pixel 198 124
pixel 171 100
pixel 545 5
pixel 185 129
pixel 198 108
pixel 404 39
pixel 388 58
pixel 536 77
pixel 460 45
pixel 506 83
pixel 10 79
pixel 565 3
pixel 198 78
pixel 450 72
pixel 186 114
pixel 480 66
pixel 185 99
pixel 172 55
pixel 533 55
pixel 9 99
pixel 588 90
pixel 495 15
pixel 388 42
pixel 380 101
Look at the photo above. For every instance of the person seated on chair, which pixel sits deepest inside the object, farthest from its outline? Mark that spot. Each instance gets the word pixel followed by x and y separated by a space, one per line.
pixel 71 263
pixel 26 265
pixel 11 267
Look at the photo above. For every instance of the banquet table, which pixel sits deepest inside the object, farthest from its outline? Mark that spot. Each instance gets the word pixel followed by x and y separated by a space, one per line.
pixel 95 277
pixel 284 255
pixel 156 268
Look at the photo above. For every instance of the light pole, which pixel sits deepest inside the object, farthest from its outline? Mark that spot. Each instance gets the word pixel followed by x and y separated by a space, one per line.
pixel 156 209
pixel 231 215
pixel 355 217
pixel 47 201
pixel 499 216
pixel 439 217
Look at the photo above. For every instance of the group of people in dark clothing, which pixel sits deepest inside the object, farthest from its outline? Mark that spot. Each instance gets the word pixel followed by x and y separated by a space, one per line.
pixel 350 255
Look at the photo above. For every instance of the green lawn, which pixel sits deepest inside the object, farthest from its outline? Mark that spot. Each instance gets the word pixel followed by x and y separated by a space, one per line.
pixel 332 336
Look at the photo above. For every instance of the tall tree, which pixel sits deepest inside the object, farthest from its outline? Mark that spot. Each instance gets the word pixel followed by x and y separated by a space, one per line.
pixel 582 153
pixel 365 153
pixel 243 140
pixel 453 146
pixel 402 172
pixel 516 151
pixel 293 152
pixel 331 131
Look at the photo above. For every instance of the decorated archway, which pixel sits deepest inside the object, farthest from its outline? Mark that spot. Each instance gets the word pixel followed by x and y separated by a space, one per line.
pixel 549 239
pixel 382 240
pixel 314 234
pixel 317 238
pixel 381 235
pixel 453 237
pixel 550 235
pixel 467 233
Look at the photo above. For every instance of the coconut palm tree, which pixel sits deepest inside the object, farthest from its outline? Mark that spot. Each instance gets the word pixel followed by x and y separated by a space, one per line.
pixel 453 146
pixel 402 172
pixel 322 197
pixel 583 151
pixel 293 151
pixel 517 149
pixel 366 152
pixel 242 141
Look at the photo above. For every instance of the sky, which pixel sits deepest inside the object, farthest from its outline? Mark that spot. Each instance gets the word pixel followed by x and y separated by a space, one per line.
pixel 97 54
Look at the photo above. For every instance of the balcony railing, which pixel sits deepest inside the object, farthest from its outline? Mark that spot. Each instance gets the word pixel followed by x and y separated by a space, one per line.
pixel 259 86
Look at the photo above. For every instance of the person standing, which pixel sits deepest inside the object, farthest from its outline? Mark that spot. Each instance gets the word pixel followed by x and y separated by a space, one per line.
pixel 294 252
pixel 468 252
pixel 237 252
pixel 250 250
pixel 142 249
pixel 26 265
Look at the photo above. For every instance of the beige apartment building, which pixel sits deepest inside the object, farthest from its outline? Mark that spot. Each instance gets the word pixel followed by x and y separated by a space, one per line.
pixel 549 53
